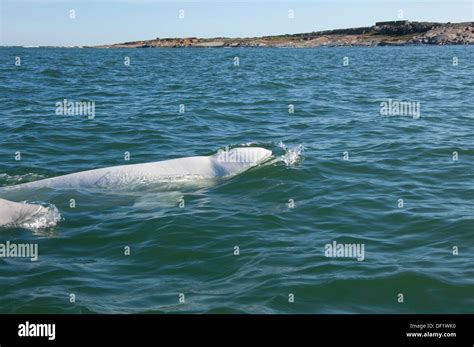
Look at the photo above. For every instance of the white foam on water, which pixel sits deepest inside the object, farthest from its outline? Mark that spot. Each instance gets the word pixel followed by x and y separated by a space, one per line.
pixel 17 179
pixel 291 155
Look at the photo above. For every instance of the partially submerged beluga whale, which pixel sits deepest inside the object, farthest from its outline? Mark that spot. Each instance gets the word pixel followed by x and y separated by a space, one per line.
pixel 14 213
pixel 224 164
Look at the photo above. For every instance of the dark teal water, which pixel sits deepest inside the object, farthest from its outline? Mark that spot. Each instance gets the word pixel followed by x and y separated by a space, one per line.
pixel 190 250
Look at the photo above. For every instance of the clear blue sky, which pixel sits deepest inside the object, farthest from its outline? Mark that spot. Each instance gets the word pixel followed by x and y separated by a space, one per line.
pixel 47 22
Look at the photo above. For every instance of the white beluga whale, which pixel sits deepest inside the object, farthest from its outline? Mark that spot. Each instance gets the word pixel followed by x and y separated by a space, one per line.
pixel 18 214
pixel 223 164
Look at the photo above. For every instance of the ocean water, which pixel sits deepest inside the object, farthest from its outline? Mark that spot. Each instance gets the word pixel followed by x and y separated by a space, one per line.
pixel 338 172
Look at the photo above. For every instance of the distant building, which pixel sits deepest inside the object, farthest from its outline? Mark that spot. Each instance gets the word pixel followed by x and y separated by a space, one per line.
pixel 393 22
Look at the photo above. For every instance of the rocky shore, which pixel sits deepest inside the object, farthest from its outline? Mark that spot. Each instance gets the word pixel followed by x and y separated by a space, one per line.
pixel 394 33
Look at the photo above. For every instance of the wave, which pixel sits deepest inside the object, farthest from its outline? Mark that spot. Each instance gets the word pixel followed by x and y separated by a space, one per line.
pixel 17 179
pixel 54 73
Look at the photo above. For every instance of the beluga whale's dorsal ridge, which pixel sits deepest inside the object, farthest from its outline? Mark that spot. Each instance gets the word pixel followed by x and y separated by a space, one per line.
pixel 220 165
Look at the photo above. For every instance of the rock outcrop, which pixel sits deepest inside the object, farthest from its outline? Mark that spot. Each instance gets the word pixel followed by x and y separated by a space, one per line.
pixel 450 34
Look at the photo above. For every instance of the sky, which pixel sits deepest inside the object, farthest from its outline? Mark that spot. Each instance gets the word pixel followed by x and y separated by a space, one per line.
pixel 49 22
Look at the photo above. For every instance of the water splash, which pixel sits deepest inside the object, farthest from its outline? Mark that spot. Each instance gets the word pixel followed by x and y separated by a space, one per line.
pixel 291 155
pixel 43 219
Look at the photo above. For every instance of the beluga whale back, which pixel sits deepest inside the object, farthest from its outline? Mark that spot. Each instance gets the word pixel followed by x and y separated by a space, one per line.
pixel 224 164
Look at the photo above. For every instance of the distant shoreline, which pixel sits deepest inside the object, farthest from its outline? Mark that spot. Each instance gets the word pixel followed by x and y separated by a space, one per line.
pixel 393 33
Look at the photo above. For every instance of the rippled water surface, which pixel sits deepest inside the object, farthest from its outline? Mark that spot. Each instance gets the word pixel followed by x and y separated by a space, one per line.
pixel 190 250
